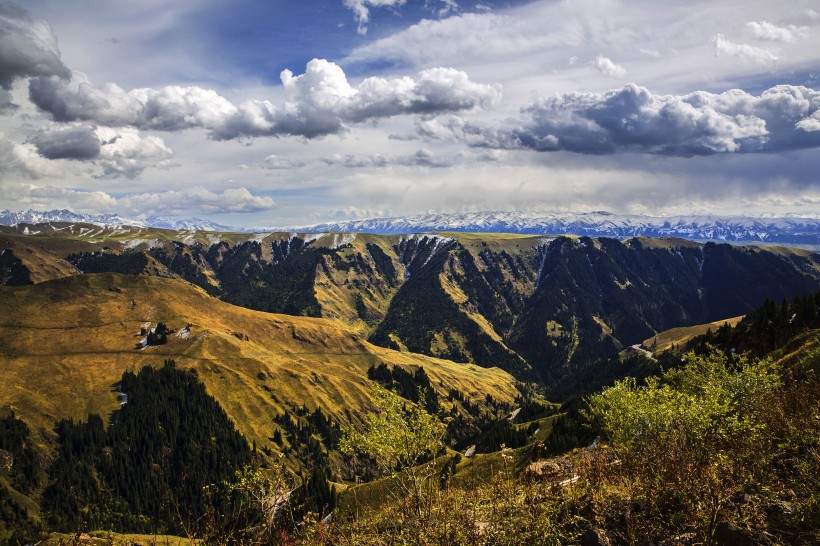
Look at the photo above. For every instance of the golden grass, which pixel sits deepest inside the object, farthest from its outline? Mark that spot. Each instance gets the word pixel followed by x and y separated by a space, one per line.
pixel 65 343
pixel 43 264
pixel 666 242
pixel 336 291
pixel 512 243
pixel 664 340
pixel 107 538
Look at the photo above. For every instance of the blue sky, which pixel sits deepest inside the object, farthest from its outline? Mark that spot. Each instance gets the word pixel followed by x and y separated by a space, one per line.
pixel 274 113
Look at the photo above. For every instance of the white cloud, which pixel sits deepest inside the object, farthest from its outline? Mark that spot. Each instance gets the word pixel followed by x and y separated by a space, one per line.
pixel 361 10
pixel 192 200
pixel 276 162
pixel 609 68
pixel 19 161
pixel 317 103
pixel 28 47
pixel 810 124
pixel 757 54
pixel 196 200
pixel 632 119
pixel 320 101
pixel 170 108
pixel 355 213
pixel 422 158
pixel 126 153
pixel 447 7
pixel 456 39
pixel 763 30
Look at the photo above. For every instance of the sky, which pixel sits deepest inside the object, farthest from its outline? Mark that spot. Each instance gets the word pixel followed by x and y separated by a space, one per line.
pixel 284 113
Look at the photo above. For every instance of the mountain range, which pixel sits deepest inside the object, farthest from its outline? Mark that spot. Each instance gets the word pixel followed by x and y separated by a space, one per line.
pixel 175 337
pixel 779 230
pixel 550 309
pixel 790 230
pixel 13 218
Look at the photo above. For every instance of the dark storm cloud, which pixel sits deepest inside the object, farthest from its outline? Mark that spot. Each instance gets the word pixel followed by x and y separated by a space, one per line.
pixel 28 47
pixel 74 142
pixel 632 119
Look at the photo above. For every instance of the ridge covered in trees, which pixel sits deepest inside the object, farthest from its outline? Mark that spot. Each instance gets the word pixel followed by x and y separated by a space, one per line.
pixel 148 469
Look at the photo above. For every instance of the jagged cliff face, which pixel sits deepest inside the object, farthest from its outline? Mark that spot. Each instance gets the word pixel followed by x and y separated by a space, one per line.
pixel 545 309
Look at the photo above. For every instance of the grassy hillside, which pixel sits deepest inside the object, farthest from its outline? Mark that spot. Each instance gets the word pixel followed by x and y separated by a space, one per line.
pixel 551 309
pixel 65 343
pixel 678 336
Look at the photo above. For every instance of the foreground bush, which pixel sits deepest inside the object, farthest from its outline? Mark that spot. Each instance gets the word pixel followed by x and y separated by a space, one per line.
pixel 715 449
pixel 720 451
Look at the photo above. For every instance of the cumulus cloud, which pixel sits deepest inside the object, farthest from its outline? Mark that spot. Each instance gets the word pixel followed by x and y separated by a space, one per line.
pixel 124 152
pixel 320 101
pixel 119 152
pixel 196 200
pixel 608 68
pixel 83 201
pixel 317 103
pixel 763 30
pixel 170 108
pixel 810 124
pixel 193 200
pixel 28 47
pixel 458 129
pixel 276 162
pixel 756 54
pixel 632 119
pixel 13 161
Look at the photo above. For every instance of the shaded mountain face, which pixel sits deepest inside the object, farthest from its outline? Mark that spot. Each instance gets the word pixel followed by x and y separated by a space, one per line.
pixel 545 309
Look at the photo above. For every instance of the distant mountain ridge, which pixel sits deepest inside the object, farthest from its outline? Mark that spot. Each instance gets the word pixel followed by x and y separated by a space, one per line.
pixel 787 230
pixel 781 230
pixel 13 218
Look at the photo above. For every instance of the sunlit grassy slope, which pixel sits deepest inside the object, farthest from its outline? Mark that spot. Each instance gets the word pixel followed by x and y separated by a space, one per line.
pixel 64 344
pixel 678 336
pixel 512 243
pixel 42 264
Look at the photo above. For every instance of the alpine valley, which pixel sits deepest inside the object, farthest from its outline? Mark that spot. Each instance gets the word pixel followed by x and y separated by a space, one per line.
pixel 141 364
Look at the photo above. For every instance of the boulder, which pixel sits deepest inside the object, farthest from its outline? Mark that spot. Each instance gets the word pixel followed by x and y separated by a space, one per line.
pixel 595 537
pixel 729 534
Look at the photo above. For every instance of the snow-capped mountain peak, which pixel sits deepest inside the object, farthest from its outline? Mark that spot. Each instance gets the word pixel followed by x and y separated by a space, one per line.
pixel 13 218
pixel 789 230
pixel 782 230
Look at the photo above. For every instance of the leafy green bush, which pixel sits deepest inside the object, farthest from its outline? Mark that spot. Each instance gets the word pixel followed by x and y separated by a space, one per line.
pixel 688 444
pixel 403 441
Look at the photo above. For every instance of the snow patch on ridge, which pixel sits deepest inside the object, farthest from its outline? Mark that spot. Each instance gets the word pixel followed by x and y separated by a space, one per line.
pixel 148 243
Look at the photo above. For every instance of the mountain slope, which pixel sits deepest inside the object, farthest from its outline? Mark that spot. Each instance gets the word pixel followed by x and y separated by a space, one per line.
pixel 64 344
pixel 595 296
pixel 551 309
